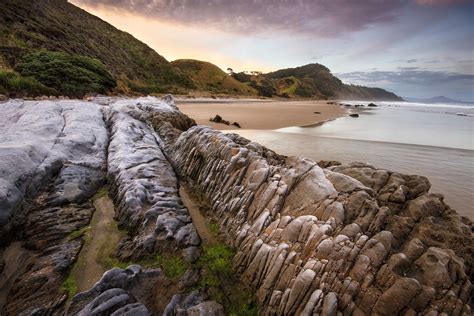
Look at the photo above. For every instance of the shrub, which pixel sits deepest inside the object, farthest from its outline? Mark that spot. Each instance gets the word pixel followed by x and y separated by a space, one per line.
pixel 71 75
pixel 15 85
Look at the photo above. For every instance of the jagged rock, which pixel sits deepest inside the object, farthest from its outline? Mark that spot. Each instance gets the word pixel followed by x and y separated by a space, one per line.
pixel 346 239
pixel 144 185
pixel 106 303
pixel 51 160
pixel 118 291
pixel 41 139
pixel 316 241
pixel 193 304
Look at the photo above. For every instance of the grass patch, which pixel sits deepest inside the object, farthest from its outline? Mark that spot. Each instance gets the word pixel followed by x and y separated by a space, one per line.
pixel 172 266
pixel 78 232
pixel 103 191
pixel 214 228
pixel 69 286
pixel 224 286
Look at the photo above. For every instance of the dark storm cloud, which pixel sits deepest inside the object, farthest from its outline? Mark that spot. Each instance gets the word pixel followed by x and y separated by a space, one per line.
pixel 319 17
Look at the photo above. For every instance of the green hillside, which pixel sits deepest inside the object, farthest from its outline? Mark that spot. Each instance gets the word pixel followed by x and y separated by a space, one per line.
pixel 29 26
pixel 208 77
pixel 310 81
pixel 51 47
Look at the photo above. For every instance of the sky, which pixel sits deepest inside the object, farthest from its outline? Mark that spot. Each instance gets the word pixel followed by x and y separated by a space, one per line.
pixel 415 48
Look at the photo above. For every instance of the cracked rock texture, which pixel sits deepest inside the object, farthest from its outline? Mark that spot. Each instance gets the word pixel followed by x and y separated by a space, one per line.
pixel 116 293
pixel 143 182
pixel 349 239
pixel 51 160
pixel 339 240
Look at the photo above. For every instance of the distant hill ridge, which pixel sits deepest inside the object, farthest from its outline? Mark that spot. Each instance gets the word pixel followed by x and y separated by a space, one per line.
pixel 439 99
pixel 51 47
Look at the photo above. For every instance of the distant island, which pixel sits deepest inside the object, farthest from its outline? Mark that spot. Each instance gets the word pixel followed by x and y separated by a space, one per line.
pixel 434 100
pixel 55 48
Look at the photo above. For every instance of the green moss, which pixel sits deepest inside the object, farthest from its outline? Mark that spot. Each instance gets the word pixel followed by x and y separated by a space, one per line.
pixel 216 263
pixel 214 228
pixel 78 232
pixel 69 286
pixel 100 193
pixel 172 266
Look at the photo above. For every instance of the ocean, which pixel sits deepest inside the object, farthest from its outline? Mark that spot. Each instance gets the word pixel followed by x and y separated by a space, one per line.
pixel 433 140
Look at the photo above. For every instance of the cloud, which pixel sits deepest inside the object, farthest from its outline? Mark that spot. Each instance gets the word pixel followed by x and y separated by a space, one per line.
pixel 439 2
pixel 416 82
pixel 310 17
pixel 410 61
pixel 410 75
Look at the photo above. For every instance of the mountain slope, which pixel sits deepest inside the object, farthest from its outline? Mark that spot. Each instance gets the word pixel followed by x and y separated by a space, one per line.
pixel 56 25
pixel 311 81
pixel 53 47
pixel 208 77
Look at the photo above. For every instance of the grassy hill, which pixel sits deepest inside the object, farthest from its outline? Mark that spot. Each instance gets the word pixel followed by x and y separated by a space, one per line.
pixel 210 78
pixel 310 81
pixel 29 26
pixel 51 47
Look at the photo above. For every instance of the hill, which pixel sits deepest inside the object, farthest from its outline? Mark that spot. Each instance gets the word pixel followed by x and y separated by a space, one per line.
pixel 51 47
pixel 32 32
pixel 310 81
pixel 440 99
pixel 210 78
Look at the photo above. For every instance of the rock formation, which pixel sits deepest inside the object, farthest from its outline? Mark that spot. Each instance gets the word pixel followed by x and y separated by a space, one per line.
pixel 52 154
pixel 144 184
pixel 310 239
pixel 351 238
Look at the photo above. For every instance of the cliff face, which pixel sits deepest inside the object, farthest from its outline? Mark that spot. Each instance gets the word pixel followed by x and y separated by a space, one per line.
pixel 345 238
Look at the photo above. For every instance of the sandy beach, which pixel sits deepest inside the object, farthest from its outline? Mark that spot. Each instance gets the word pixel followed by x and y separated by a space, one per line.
pixel 261 115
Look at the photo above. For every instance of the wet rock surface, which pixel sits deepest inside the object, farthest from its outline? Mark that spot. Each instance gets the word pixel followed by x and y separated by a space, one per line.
pixel 326 239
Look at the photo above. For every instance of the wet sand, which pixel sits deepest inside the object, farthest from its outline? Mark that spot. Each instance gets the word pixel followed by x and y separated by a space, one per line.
pixel 261 115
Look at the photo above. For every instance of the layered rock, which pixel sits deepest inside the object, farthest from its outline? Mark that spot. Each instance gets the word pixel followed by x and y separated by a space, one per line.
pixel 143 182
pixel 52 155
pixel 117 292
pixel 350 238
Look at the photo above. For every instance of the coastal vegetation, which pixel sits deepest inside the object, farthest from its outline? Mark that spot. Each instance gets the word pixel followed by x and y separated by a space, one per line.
pixel 51 47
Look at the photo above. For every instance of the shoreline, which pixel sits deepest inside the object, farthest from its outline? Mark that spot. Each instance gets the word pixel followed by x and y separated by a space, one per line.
pixel 261 114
